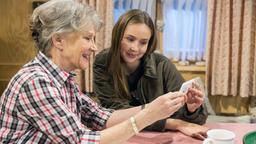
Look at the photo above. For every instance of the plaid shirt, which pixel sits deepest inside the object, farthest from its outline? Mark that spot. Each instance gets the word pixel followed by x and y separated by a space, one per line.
pixel 42 104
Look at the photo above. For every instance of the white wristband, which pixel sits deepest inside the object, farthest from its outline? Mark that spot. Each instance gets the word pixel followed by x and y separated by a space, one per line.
pixel 134 125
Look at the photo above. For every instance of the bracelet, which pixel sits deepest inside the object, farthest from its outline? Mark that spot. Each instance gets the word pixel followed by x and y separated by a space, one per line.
pixel 134 125
pixel 142 106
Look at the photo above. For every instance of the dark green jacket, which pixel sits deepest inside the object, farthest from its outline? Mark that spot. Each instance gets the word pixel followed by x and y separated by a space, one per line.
pixel 160 76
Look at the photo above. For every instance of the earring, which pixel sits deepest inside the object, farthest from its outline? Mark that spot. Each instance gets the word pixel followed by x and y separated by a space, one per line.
pixel 60 49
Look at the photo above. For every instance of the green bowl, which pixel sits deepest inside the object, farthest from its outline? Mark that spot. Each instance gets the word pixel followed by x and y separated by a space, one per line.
pixel 250 138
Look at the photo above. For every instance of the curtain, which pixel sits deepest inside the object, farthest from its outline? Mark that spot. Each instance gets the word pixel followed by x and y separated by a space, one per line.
pixel 122 6
pixel 231 62
pixel 184 33
pixel 103 39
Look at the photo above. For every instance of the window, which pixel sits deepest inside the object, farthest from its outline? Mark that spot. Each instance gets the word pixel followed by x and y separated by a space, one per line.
pixel 120 6
pixel 184 33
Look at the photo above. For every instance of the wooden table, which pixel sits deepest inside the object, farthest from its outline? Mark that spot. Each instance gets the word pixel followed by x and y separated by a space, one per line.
pixel 240 129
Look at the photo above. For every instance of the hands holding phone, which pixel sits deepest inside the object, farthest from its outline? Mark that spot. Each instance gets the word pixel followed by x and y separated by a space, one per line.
pixel 191 93
pixel 166 105
pixel 194 91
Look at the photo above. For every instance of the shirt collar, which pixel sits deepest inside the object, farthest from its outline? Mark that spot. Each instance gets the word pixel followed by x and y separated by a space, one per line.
pixel 51 68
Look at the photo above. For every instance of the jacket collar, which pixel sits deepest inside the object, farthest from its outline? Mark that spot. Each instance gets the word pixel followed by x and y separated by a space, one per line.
pixel 150 66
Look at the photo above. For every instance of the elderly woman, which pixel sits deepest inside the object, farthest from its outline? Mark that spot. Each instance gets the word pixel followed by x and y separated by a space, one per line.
pixel 42 103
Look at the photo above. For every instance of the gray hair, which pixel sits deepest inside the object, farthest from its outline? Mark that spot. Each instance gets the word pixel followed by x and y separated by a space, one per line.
pixel 60 16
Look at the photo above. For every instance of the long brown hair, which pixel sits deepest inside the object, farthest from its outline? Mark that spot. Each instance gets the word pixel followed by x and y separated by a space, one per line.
pixel 115 61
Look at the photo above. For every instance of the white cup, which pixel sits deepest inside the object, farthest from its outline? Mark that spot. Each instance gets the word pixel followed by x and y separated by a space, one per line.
pixel 219 136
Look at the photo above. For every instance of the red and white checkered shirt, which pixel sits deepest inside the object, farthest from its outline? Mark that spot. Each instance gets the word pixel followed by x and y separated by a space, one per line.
pixel 42 104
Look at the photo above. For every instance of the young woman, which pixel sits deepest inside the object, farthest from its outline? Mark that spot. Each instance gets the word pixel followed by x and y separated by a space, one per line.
pixel 130 74
pixel 42 103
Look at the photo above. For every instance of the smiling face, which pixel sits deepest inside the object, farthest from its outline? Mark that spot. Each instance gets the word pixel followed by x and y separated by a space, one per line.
pixel 134 44
pixel 79 49
pixel 73 50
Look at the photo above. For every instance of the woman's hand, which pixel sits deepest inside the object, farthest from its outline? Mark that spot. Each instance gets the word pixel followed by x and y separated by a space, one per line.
pixel 193 130
pixel 195 98
pixel 166 105
pixel 187 128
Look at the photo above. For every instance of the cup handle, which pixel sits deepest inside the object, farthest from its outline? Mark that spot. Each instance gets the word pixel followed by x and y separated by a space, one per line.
pixel 208 141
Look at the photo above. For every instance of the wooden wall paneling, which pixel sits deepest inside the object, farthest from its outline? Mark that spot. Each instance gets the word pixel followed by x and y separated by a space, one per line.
pixel 3 85
pixel 229 105
pixel 16 44
pixel 191 71
pixel 6 72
